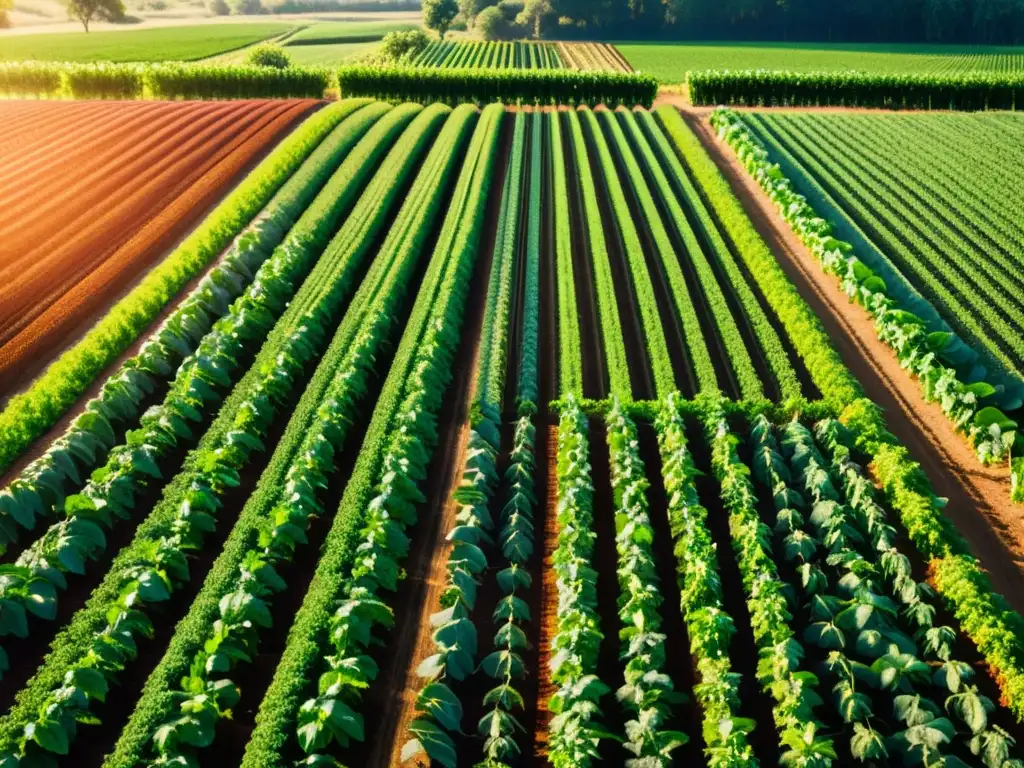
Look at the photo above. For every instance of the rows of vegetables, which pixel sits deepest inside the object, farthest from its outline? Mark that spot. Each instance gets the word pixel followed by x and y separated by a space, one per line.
pixel 215 551
pixel 491 55
pixel 973 379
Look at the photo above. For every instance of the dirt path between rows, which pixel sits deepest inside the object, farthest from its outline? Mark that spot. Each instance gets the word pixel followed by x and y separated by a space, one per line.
pixel 978 497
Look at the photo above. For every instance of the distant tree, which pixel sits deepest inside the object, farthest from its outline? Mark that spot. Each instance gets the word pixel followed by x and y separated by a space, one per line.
pixel 269 56
pixel 439 14
pixel 406 44
pixel 490 23
pixel 534 14
pixel 87 11
pixel 5 6
pixel 219 7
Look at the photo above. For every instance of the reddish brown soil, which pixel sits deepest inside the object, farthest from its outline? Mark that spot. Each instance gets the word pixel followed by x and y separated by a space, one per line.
pixel 548 617
pixel 178 162
pixel 978 497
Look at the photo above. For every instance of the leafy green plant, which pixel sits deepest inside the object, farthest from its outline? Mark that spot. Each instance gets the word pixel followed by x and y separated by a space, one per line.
pixel 708 626
pixel 648 694
pixel 574 733
pixel 268 56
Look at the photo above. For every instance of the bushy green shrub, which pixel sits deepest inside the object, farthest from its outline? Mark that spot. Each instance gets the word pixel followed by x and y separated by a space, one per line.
pixel 269 56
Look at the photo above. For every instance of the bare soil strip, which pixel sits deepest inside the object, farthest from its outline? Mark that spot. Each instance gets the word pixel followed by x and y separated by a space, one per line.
pixel 411 641
pixel 978 499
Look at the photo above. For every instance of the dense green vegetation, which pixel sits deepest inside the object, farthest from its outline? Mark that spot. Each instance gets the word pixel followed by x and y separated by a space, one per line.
pixel 546 86
pixel 671 62
pixel 185 43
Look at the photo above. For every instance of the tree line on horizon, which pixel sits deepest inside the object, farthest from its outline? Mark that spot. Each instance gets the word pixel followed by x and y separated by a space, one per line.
pixel 913 21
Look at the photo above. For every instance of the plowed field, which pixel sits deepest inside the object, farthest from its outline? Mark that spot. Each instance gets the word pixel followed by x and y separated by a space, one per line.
pixel 103 191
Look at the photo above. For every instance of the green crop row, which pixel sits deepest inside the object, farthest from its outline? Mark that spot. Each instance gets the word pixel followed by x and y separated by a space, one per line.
pixel 832 378
pixel 155 565
pixel 438 707
pixel 494 55
pixel 616 365
pixel 779 672
pixel 499 726
pixel 699 356
pixel 643 288
pixel 769 88
pixel 767 338
pixel 570 346
pixel 709 628
pixel 527 394
pixel 648 693
pixel 511 86
pixel 160 81
pixel 28 415
pixel 40 488
pixel 574 732
pixel 201 380
pixel 273 523
pixel 308 641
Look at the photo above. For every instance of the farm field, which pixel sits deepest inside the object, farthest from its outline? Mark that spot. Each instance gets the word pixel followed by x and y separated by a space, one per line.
pixel 670 62
pixel 521 55
pixel 182 43
pixel 327 32
pixel 941 225
pixel 329 54
pixel 482 419
pixel 95 193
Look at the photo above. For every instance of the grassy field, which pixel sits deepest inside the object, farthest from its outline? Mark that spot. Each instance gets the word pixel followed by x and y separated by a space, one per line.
pixel 324 33
pixel 670 62
pixel 334 53
pixel 163 44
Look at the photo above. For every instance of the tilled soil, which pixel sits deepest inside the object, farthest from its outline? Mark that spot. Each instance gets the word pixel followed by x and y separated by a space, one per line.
pixel 115 217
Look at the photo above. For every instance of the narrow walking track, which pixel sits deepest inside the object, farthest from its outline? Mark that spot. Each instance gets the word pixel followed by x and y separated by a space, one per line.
pixel 978 500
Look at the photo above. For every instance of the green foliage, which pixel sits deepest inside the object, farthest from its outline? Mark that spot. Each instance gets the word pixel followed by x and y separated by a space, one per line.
pixel 490 55
pixel 291 489
pixel 574 733
pixel 268 56
pixel 904 332
pixel 643 287
pixel 308 643
pixel 401 46
pixel 780 654
pixel 832 378
pixel 40 488
pixel 616 363
pixel 483 86
pixel 708 626
pixel 570 352
pixel 439 14
pixel 648 694
pixel 161 81
pixel 157 566
pixel 762 87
